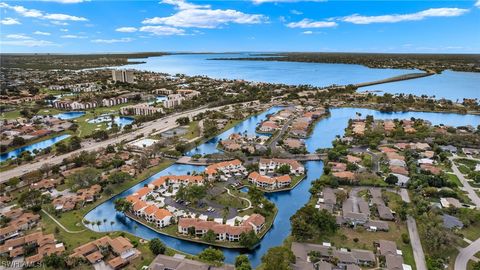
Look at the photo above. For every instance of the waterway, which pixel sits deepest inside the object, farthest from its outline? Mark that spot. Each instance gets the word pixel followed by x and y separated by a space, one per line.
pixel 288 202
pixel 450 84
pixel 121 121
pixel 69 115
pixel 35 146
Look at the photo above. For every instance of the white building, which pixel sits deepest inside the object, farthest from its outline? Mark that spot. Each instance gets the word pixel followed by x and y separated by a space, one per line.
pixel 123 76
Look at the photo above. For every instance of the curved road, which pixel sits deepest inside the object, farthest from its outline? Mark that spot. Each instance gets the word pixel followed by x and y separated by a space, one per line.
pixel 159 125
pixel 466 253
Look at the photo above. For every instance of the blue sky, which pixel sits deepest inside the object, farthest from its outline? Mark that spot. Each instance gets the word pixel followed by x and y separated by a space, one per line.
pixel 71 26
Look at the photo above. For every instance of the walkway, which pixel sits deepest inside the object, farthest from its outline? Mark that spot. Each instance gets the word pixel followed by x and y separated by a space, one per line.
pixel 245 199
pixel 466 185
pixel 60 224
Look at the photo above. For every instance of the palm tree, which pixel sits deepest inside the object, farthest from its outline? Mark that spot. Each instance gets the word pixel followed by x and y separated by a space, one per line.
pixel 111 224
pixel 99 222
pixel 105 221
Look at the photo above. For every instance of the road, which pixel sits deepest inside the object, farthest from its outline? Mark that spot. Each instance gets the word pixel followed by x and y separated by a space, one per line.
pixel 466 254
pixel 466 185
pixel 418 254
pixel 158 125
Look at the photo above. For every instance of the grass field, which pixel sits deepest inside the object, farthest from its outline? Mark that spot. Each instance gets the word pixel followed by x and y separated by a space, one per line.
pixel 454 179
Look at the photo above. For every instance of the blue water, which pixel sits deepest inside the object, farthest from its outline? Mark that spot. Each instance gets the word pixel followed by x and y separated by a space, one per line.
pixel 36 146
pixel 338 120
pixel 452 85
pixel 449 84
pixel 244 189
pixel 248 126
pixel 158 99
pixel 69 115
pixel 121 121
pixel 287 202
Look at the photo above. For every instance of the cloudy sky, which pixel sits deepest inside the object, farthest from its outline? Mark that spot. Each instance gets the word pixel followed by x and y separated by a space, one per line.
pixel 70 26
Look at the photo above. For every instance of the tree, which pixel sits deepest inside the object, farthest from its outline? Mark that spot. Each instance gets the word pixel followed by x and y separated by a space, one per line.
pixel 283 169
pixel 182 121
pixel 255 195
pixel 211 255
pixel 210 236
pixel 278 258
pixel 308 222
pixel 242 263
pixel 18 141
pixel 157 246
pixel 75 143
pixel 391 179
pixel 32 199
pixel 122 205
pixel 249 239
pixel 55 261
pixel 119 177
pixel 100 135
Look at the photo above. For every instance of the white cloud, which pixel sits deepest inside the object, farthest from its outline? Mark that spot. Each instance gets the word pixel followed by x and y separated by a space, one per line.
pixel 73 36
pixel 34 13
pixel 161 30
pixel 296 12
pixel 126 29
pixel 64 30
pixel 393 18
pixel 307 32
pixel 18 36
pixel 9 21
pixel 307 23
pixel 41 33
pixel 63 17
pixel 66 1
pixel 110 41
pixel 24 40
pixel 59 23
pixel 202 16
pixel 28 43
pixel 258 2
pixel 477 4
pixel 181 4
pixel 206 18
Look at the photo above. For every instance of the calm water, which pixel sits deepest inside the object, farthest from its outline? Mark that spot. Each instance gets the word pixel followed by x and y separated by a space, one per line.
pixel 451 85
pixel 69 115
pixel 248 126
pixel 336 123
pixel 36 146
pixel 287 202
pixel 121 121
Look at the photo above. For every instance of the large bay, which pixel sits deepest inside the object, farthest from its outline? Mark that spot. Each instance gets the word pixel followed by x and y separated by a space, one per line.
pixel 450 84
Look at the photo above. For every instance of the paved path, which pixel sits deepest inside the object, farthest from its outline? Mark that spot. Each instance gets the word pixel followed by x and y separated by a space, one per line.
pixel 60 224
pixel 159 125
pixel 245 199
pixel 466 185
pixel 466 254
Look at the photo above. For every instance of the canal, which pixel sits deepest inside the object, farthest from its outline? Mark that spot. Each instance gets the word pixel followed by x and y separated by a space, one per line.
pixel 287 202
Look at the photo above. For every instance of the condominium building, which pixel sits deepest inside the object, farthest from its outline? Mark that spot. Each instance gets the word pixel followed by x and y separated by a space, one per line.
pixel 123 76
pixel 140 109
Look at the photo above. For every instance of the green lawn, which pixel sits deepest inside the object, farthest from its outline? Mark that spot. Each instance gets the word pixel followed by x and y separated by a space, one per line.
pixel 454 179
pixel 193 131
